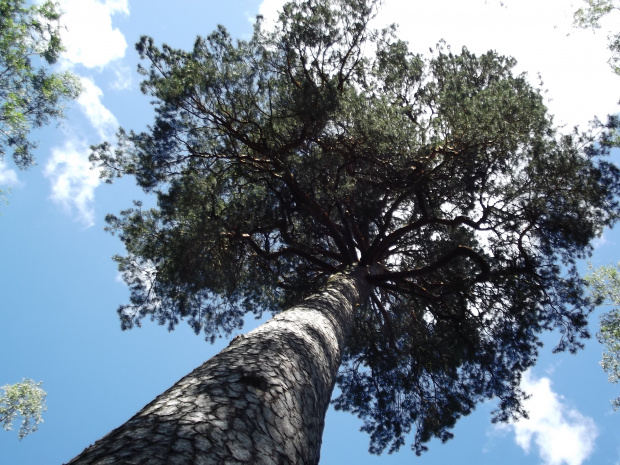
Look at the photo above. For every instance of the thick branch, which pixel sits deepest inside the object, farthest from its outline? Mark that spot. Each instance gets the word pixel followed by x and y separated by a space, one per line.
pixel 459 251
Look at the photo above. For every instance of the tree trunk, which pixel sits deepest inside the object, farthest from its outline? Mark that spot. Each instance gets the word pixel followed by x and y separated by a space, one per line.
pixel 262 400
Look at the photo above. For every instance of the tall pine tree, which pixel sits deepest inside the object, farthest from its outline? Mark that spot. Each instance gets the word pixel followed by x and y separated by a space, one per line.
pixel 427 206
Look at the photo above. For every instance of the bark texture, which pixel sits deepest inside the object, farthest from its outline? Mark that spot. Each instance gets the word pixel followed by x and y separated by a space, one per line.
pixel 262 400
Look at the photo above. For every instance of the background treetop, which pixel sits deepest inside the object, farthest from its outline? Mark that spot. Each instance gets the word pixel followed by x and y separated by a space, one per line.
pixel 323 145
pixel 30 96
pixel 26 401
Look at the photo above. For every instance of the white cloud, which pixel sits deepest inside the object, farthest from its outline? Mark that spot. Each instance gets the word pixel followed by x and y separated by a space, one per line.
pixel 563 435
pixel 8 176
pixel 90 38
pixel 91 41
pixel 73 181
pixel 99 116
pixel 269 9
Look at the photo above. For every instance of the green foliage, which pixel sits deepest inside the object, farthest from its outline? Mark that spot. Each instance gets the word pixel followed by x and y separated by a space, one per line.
pixel 591 16
pixel 281 160
pixel 604 283
pixel 25 400
pixel 30 96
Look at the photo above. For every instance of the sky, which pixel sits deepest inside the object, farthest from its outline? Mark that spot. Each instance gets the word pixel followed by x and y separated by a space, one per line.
pixel 60 288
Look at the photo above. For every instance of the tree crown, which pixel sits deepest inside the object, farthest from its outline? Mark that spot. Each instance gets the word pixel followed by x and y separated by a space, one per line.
pixel 25 400
pixel 325 144
pixel 30 96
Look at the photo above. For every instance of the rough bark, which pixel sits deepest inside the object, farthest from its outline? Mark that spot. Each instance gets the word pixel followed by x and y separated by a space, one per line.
pixel 262 400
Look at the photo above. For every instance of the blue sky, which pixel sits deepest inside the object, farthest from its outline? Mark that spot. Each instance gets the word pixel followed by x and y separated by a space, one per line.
pixel 60 289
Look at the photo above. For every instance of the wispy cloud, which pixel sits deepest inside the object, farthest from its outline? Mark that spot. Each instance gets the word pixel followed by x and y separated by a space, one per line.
pixel 73 181
pixel 562 435
pixel 8 176
pixel 122 78
pixel 600 241
pixel 102 119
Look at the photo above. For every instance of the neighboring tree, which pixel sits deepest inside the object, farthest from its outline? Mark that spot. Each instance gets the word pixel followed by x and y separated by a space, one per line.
pixel 3 199
pixel 427 206
pixel 604 282
pixel 591 16
pixel 25 400
pixel 30 96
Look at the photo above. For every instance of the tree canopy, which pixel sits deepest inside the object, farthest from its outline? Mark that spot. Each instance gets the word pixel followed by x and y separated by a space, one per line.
pixel 30 96
pixel 323 145
pixel 25 400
